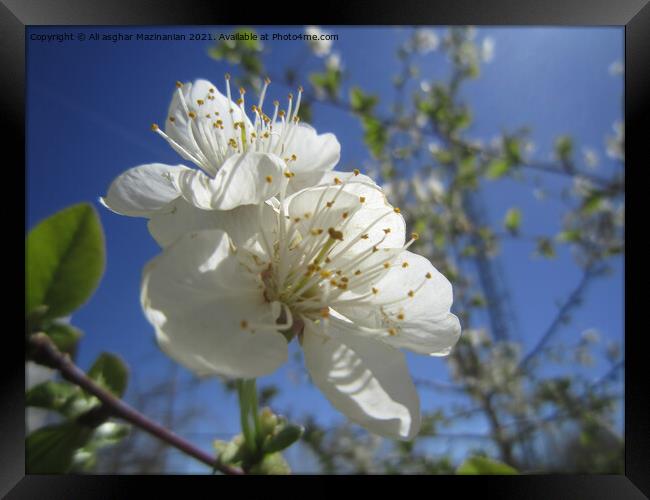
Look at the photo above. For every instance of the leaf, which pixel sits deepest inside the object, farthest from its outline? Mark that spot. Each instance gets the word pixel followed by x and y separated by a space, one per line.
pixel 564 148
pixel 110 372
pixel 497 168
pixel 64 261
pixel 65 337
pixel 360 102
pixel 51 449
pixel 271 464
pixel 284 438
pixel 512 220
pixel 51 395
pixel 485 466
pixel 545 247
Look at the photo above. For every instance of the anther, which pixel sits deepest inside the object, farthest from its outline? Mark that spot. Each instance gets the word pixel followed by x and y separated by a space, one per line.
pixel 334 234
pixel 154 127
pixel 396 210
pixel 269 179
pixel 244 324
pixel 356 171
pixel 375 291
pixel 405 264
pixel 415 236
pixel 411 293
pixel 428 276
pixel 362 199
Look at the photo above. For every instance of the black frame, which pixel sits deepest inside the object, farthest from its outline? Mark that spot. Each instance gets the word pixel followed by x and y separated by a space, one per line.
pixel 633 14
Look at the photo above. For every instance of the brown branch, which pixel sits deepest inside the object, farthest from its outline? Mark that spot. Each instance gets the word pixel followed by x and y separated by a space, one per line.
pixel 45 352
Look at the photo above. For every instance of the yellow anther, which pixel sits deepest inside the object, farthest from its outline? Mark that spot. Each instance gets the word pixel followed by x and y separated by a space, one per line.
pixel 357 272
pixel 387 230
pixel 296 219
pixel 192 114
pixel 243 324
pixel 327 260
pixel 405 264
pixel 200 102
pixel 362 199
pixel 281 113
pixel 364 236
pixel 325 274
pixel 345 215
pixel 294 157
pixel 212 91
pixel 300 89
pixel 392 331
pixel 269 179
pixel 242 90
pixel 172 119
pixel 276 103
pixel 287 175
pixel 400 316
pixel 329 204
pixel 325 312
pixel 386 265
pixel 396 210
pixel 267 80
pixel 428 276
pixel 334 234
pixel 337 180
pixel 375 249
pixel 345 279
pixel 227 76
pixel 343 286
pixel 415 236
pixel 154 127
pixel 179 85
pixel 333 282
pixel 239 101
pixel 356 171
pixel 411 293
pixel 290 96
pixel 375 291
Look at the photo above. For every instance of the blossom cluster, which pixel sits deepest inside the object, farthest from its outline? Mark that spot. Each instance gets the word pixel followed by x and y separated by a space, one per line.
pixel 265 243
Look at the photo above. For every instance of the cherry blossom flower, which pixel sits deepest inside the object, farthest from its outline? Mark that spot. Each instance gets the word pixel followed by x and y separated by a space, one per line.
pixel 328 265
pixel 241 161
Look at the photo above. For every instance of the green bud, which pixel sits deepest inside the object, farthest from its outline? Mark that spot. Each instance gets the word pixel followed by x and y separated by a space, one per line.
pixel 283 438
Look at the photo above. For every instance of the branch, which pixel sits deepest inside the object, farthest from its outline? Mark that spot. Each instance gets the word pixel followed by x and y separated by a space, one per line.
pixel 46 353
pixel 572 301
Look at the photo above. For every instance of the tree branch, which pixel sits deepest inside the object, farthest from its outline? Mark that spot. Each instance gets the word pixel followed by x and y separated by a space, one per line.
pixel 46 353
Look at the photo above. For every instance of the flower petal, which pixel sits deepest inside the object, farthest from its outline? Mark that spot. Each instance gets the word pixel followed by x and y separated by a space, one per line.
pixel 242 223
pixel 212 102
pixel 314 152
pixel 144 190
pixel 209 312
pixel 366 380
pixel 421 321
pixel 244 179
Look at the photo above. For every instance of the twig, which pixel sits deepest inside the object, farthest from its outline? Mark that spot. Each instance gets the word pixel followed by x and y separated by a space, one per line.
pixel 46 353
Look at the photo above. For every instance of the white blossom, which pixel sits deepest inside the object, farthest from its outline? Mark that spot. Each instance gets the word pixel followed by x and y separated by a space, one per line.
pixel 487 49
pixel 241 161
pixel 425 40
pixel 329 265
pixel 320 46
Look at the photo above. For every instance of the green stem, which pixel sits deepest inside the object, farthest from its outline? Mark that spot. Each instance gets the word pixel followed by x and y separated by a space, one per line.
pixel 248 408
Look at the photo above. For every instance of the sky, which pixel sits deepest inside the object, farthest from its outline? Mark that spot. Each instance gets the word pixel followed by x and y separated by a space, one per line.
pixel 90 106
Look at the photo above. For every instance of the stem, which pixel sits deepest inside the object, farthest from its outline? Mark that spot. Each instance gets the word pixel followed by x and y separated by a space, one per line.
pixel 243 391
pixel 45 352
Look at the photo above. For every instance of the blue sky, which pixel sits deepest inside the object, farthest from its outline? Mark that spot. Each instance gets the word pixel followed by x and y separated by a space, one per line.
pixel 90 106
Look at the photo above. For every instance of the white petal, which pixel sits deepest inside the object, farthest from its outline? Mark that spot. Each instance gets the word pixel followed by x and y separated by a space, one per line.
pixel 242 223
pixel 423 323
pixel 218 106
pixel 144 190
pixel 244 179
pixel 196 294
pixel 313 152
pixel 366 380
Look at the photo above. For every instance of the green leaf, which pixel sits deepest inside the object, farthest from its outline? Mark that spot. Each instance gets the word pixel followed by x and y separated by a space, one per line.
pixel 271 464
pixel 497 168
pixel 110 372
pixel 485 466
pixel 545 247
pixel 564 148
pixel 512 220
pixel 592 203
pixel 51 449
pixel 64 261
pixel 283 438
pixel 65 337
pixel 360 102
pixel 51 395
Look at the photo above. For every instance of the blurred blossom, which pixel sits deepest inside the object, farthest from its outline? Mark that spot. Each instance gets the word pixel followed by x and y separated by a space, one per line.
pixel 487 49
pixel 496 142
pixel 321 48
pixel 615 146
pixel 434 147
pixel 529 147
pixel 333 62
pixel 613 351
pixel 477 337
pixel 425 40
pixel 616 68
pixel 421 120
pixel 36 374
pixel 590 157
pixel 582 186
pixel 425 86
pixel 591 336
pixel 539 194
